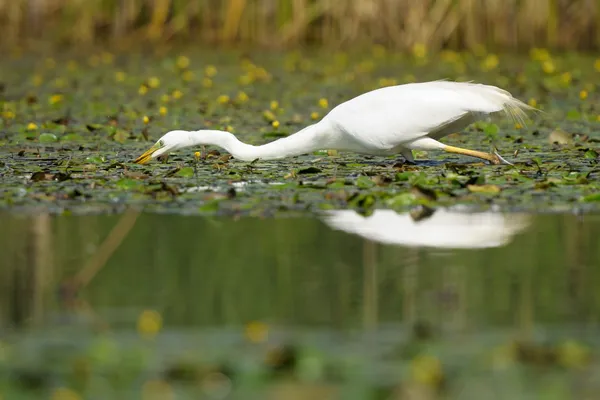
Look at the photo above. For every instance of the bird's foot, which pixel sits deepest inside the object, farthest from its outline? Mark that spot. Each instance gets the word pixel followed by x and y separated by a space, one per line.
pixel 497 159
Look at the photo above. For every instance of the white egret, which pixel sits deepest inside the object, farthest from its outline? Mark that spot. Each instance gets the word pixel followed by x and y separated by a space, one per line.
pixel 443 229
pixel 385 121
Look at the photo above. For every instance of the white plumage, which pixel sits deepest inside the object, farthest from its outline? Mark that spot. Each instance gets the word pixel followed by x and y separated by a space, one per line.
pixel 443 229
pixel 385 121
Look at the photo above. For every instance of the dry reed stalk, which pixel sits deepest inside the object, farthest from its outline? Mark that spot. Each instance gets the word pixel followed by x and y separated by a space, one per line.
pixel 397 23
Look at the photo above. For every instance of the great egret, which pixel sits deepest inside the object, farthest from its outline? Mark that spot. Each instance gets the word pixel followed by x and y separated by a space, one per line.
pixel 385 121
pixel 443 229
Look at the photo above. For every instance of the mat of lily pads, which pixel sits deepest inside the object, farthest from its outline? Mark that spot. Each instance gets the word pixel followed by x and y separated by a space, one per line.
pixel 71 125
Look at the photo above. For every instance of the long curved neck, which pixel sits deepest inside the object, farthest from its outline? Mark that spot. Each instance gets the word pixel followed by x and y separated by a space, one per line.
pixel 313 137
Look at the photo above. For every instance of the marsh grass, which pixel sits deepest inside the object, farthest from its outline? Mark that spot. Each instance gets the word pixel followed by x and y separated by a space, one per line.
pixel 402 24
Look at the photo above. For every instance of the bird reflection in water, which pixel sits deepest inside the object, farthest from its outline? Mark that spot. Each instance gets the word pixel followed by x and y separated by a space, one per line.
pixel 440 228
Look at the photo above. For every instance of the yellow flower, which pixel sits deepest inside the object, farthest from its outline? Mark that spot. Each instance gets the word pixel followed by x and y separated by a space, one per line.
pixel 146 119
pixel 31 126
pixel 210 70
pixel 149 323
pixel 532 102
pixel 154 82
pixel 207 82
pixel 548 67
pixel 120 76
pixel 223 99
pixel 197 155
pixel 143 90
pixel 597 65
pixel 314 115
pixel 518 126
pixel 162 110
pixel 426 370
pixel 56 98
pixel 64 394
pixel 323 103
pixel 539 54
pixel 242 97
pixel 274 105
pixel 275 124
pixel 256 331
pixel 269 116
pixel 419 50
pixel 8 114
pixel 583 94
pixel 566 78
pixel 177 94
pixel 182 62
pixel 188 76
pixel 490 62
pixel 387 82
pixel 229 128
pixel 245 80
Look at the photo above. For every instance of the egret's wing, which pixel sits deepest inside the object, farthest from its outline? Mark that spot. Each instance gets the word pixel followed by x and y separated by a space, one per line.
pixel 392 116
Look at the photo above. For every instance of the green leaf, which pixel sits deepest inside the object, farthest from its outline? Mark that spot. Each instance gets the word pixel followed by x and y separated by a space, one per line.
pixel 72 137
pixel 186 172
pixel 403 176
pixel 491 130
pixel 48 138
pixel 95 159
pixel 210 206
pixel 591 154
pixel 128 184
pixel 364 182
pixel 591 197
pixel 573 115
pixel 120 136
pixel 402 199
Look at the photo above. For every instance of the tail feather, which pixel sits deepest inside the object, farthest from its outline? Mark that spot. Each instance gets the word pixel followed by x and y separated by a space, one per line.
pixel 513 107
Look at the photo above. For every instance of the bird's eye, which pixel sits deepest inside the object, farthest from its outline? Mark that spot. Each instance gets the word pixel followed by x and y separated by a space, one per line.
pixel 160 143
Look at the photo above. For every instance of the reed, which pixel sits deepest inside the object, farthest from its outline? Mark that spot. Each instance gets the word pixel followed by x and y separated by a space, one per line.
pixel 503 24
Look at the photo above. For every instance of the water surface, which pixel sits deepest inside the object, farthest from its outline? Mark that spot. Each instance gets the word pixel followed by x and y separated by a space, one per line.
pixel 343 285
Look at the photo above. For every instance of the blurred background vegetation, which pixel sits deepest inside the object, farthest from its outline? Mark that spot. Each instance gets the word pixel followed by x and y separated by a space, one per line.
pixel 402 24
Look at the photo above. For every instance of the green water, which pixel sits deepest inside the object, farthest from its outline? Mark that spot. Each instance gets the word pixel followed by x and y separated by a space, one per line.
pixel 344 288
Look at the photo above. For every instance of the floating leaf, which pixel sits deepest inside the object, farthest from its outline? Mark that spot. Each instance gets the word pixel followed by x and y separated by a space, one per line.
pixel 128 184
pixel 560 137
pixel 591 197
pixel 185 172
pixel 484 188
pixel 402 200
pixel 95 159
pixel 48 138
pixel 591 154
pixel 364 182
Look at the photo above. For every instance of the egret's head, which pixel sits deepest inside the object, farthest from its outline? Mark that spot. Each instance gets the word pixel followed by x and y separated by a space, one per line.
pixel 170 141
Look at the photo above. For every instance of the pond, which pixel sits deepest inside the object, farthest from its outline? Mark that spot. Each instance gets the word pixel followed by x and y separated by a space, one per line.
pixel 426 303
pixel 71 126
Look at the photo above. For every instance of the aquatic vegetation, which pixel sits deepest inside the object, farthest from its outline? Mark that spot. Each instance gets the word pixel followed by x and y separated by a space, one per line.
pixel 79 155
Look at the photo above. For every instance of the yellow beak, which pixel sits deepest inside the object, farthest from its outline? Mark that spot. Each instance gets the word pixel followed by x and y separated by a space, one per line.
pixel 147 156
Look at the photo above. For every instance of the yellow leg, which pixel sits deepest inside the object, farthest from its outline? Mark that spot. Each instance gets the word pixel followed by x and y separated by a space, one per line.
pixel 493 158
